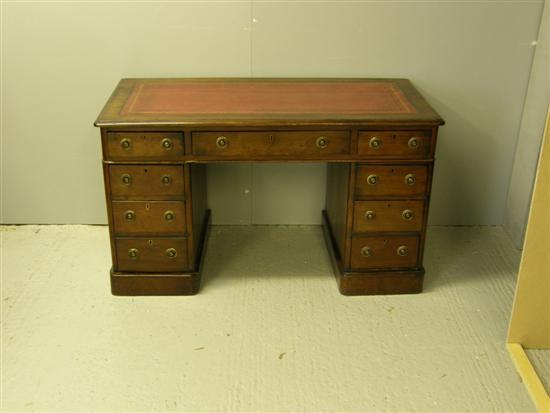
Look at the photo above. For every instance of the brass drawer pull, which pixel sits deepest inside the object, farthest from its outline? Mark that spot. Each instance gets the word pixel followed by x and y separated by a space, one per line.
pixel 375 143
pixel 372 179
pixel 126 143
pixel 410 179
pixel 366 252
pixel 222 142
pixel 166 179
pixel 322 142
pixel 126 179
pixel 370 215
pixel 414 143
pixel 407 214
pixel 402 251
pixel 129 215
pixel 133 253
pixel 167 144
pixel 169 215
pixel 171 253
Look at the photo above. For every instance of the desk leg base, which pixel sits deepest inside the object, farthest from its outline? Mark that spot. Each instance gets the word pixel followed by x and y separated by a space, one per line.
pixel 184 283
pixel 370 282
pixel 381 282
pixel 154 284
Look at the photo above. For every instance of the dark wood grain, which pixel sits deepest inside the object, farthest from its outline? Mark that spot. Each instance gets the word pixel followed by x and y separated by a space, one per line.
pixel 384 251
pixel 382 282
pixel 391 180
pixel 388 215
pixel 147 181
pixel 137 284
pixel 149 217
pixel 337 195
pixel 126 145
pixel 199 209
pixel 370 282
pixel 246 145
pixel 108 204
pixel 152 254
pixel 157 135
pixel 395 144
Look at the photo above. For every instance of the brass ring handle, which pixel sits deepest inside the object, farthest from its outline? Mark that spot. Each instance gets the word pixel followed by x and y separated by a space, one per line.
pixel 169 215
pixel 366 252
pixel 372 179
pixel 129 215
pixel 414 143
pixel 171 253
pixel 370 215
pixel 126 179
pixel 222 142
pixel 166 179
pixel 322 142
pixel 407 214
pixel 402 251
pixel 126 143
pixel 133 253
pixel 410 179
pixel 167 144
pixel 375 143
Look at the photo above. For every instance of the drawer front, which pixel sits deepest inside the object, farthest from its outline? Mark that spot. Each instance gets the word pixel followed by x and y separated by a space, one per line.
pixel 316 144
pixel 384 252
pixel 391 180
pixel 146 181
pixel 151 254
pixel 399 144
pixel 144 145
pixel 155 217
pixel 388 215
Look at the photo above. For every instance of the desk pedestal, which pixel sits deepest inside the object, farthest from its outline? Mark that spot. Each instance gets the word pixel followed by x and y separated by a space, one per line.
pixel 375 241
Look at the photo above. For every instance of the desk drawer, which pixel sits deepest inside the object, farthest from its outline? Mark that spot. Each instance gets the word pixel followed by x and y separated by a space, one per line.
pixel 388 215
pixel 384 252
pixel 151 254
pixel 144 145
pixel 399 144
pixel 146 181
pixel 155 217
pixel 315 144
pixel 391 180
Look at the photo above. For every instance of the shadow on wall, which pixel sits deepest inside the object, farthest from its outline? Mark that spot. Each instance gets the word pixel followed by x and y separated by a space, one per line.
pixel 470 195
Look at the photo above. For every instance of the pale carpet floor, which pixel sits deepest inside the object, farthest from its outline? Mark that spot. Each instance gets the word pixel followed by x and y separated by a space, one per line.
pixel 267 332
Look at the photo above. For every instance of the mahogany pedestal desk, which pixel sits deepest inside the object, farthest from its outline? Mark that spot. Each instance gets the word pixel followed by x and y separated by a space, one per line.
pixel 378 137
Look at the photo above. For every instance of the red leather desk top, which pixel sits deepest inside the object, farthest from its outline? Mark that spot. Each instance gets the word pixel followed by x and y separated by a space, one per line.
pixel 269 100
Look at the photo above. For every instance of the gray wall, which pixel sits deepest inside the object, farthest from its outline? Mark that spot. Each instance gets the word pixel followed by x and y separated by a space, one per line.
pixel 61 60
pixel 530 136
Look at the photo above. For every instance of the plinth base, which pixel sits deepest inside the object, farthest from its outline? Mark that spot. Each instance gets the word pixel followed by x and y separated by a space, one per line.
pixel 370 282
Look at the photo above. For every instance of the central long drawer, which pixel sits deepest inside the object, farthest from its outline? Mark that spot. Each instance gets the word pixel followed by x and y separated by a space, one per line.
pixel 235 144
